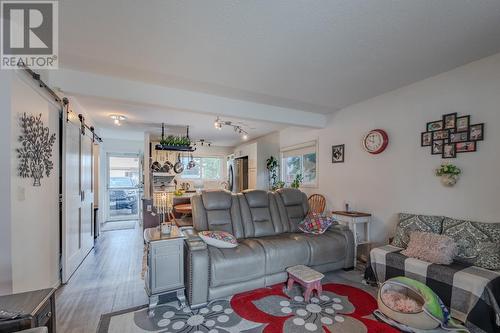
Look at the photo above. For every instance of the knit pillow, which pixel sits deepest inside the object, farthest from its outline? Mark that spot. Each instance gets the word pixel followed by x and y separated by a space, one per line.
pixel 220 239
pixel 316 224
pixel 411 222
pixel 433 248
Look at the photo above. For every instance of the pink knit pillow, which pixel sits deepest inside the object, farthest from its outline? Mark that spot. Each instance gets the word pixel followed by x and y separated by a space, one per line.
pixel 434 248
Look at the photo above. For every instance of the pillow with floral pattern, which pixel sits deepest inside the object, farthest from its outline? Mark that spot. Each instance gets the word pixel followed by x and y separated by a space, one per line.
pixel 220 239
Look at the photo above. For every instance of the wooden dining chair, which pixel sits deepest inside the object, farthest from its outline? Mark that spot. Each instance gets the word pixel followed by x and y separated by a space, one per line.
pixel 317 203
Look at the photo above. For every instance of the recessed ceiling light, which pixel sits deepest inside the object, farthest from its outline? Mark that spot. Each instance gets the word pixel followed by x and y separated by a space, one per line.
pixel 117 119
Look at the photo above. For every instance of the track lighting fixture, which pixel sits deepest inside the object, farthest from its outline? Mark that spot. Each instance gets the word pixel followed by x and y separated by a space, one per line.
pixel 117 119
pixel 219 123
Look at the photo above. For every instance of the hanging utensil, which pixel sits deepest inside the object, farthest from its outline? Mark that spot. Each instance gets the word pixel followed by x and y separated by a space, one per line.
pixel 191 163
pixel 178 167
pixel 155 167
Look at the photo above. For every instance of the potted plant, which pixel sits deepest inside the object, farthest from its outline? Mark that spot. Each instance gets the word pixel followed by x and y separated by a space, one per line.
pixel 279 184
pixel 297 181
pixel 449 174
pixel 272 167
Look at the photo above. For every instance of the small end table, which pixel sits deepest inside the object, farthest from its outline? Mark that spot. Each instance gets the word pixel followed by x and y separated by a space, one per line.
pixel 352 220
pixel 36 308
pixel 165 261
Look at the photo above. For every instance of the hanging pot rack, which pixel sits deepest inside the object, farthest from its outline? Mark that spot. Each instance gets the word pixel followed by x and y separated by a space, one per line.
pixel 171 147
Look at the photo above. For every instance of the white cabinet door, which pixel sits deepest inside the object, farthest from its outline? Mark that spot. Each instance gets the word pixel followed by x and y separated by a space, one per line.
pixel 77 239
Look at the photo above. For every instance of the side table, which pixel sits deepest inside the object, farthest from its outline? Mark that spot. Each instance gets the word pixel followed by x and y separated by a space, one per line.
pixel 165 261
pixel 36 309
pixel 354 220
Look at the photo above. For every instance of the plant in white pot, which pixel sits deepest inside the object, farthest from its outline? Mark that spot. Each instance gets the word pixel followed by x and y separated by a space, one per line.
pixel 449 174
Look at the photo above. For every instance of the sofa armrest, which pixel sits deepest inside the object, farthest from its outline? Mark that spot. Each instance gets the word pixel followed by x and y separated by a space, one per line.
pixel 349 240
pixel 196 269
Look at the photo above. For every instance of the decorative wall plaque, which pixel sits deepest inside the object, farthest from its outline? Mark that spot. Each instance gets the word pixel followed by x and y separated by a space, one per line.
pixel 35 152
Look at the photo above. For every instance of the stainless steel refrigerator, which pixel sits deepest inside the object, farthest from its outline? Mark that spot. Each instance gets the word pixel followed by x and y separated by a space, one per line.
pixel 238 174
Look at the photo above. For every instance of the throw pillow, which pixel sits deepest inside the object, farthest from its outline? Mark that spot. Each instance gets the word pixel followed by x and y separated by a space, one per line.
pixel 220 239
pixel 316 224
pixel 433 248
pixel 478 243
pixel 411 222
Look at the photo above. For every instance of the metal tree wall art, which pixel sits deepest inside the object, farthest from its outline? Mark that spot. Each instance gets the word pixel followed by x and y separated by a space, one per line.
pixel 36 149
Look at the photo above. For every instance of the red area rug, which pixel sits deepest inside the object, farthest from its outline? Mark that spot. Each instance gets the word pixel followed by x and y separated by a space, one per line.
pixel 341 308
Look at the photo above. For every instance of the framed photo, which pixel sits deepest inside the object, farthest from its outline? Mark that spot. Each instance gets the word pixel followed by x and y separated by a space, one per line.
pixel 449 151
pixel 463 124
pixel 450 121
pixel 476 132
pixel 442 134
pixel 426 139
pixel 459 137
pixel 435 126
pixel 465 147
pixel 437 147
pixel 338 154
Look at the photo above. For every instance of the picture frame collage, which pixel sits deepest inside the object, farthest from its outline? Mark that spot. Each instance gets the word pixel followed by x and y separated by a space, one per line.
pixel 451 135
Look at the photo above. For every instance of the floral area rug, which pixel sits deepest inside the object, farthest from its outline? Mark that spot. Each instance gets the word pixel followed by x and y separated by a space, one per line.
pixel 340 308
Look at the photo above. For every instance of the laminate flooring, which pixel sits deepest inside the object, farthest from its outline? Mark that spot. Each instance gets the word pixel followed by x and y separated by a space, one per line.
pixel 108 280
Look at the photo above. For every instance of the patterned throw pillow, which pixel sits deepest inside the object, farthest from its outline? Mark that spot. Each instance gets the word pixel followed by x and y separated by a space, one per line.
pixel 220 239
pixel 316 224
pixel 412 222
pixel 478 243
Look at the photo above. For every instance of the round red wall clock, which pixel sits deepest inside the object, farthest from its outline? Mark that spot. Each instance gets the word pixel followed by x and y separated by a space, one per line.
pixel 376 141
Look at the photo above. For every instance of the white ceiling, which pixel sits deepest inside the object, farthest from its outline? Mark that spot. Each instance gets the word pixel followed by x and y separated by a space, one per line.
pixel 316 56
pixel 146 118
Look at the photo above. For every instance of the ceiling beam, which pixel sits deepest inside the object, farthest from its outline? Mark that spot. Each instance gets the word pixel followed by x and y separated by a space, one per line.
pixel 90 84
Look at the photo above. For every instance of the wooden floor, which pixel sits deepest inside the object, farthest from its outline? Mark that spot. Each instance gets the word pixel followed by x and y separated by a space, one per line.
pixel 108 280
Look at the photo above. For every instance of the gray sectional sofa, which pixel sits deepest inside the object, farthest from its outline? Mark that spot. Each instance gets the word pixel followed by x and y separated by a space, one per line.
pixel 269 241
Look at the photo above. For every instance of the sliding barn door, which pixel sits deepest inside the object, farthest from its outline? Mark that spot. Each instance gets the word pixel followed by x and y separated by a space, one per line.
pixel 77 236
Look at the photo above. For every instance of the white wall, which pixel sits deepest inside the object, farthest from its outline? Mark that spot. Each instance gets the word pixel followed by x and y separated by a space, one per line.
pixel 5 182
pixel 401 179
pixel 30 224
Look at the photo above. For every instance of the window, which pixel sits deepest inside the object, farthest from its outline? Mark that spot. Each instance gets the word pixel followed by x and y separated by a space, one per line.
pixel 207 168
pixel 300 159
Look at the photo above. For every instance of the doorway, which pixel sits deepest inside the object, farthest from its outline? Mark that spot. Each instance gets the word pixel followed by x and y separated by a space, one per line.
pixel 122 193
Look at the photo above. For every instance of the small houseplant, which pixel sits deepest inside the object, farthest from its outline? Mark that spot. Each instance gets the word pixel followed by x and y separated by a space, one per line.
pixel 272 167
pixel 449 174
pixel 279 184
pixel 297 181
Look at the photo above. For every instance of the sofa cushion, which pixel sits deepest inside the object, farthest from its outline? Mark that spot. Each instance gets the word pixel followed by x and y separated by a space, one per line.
pixel 412 222
pixel 293 207
pixel 326 248
pixel 477 242
pixel 215 200
pixel 242 263
pixel 217 210
pixel 283 251
pixel 259 214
